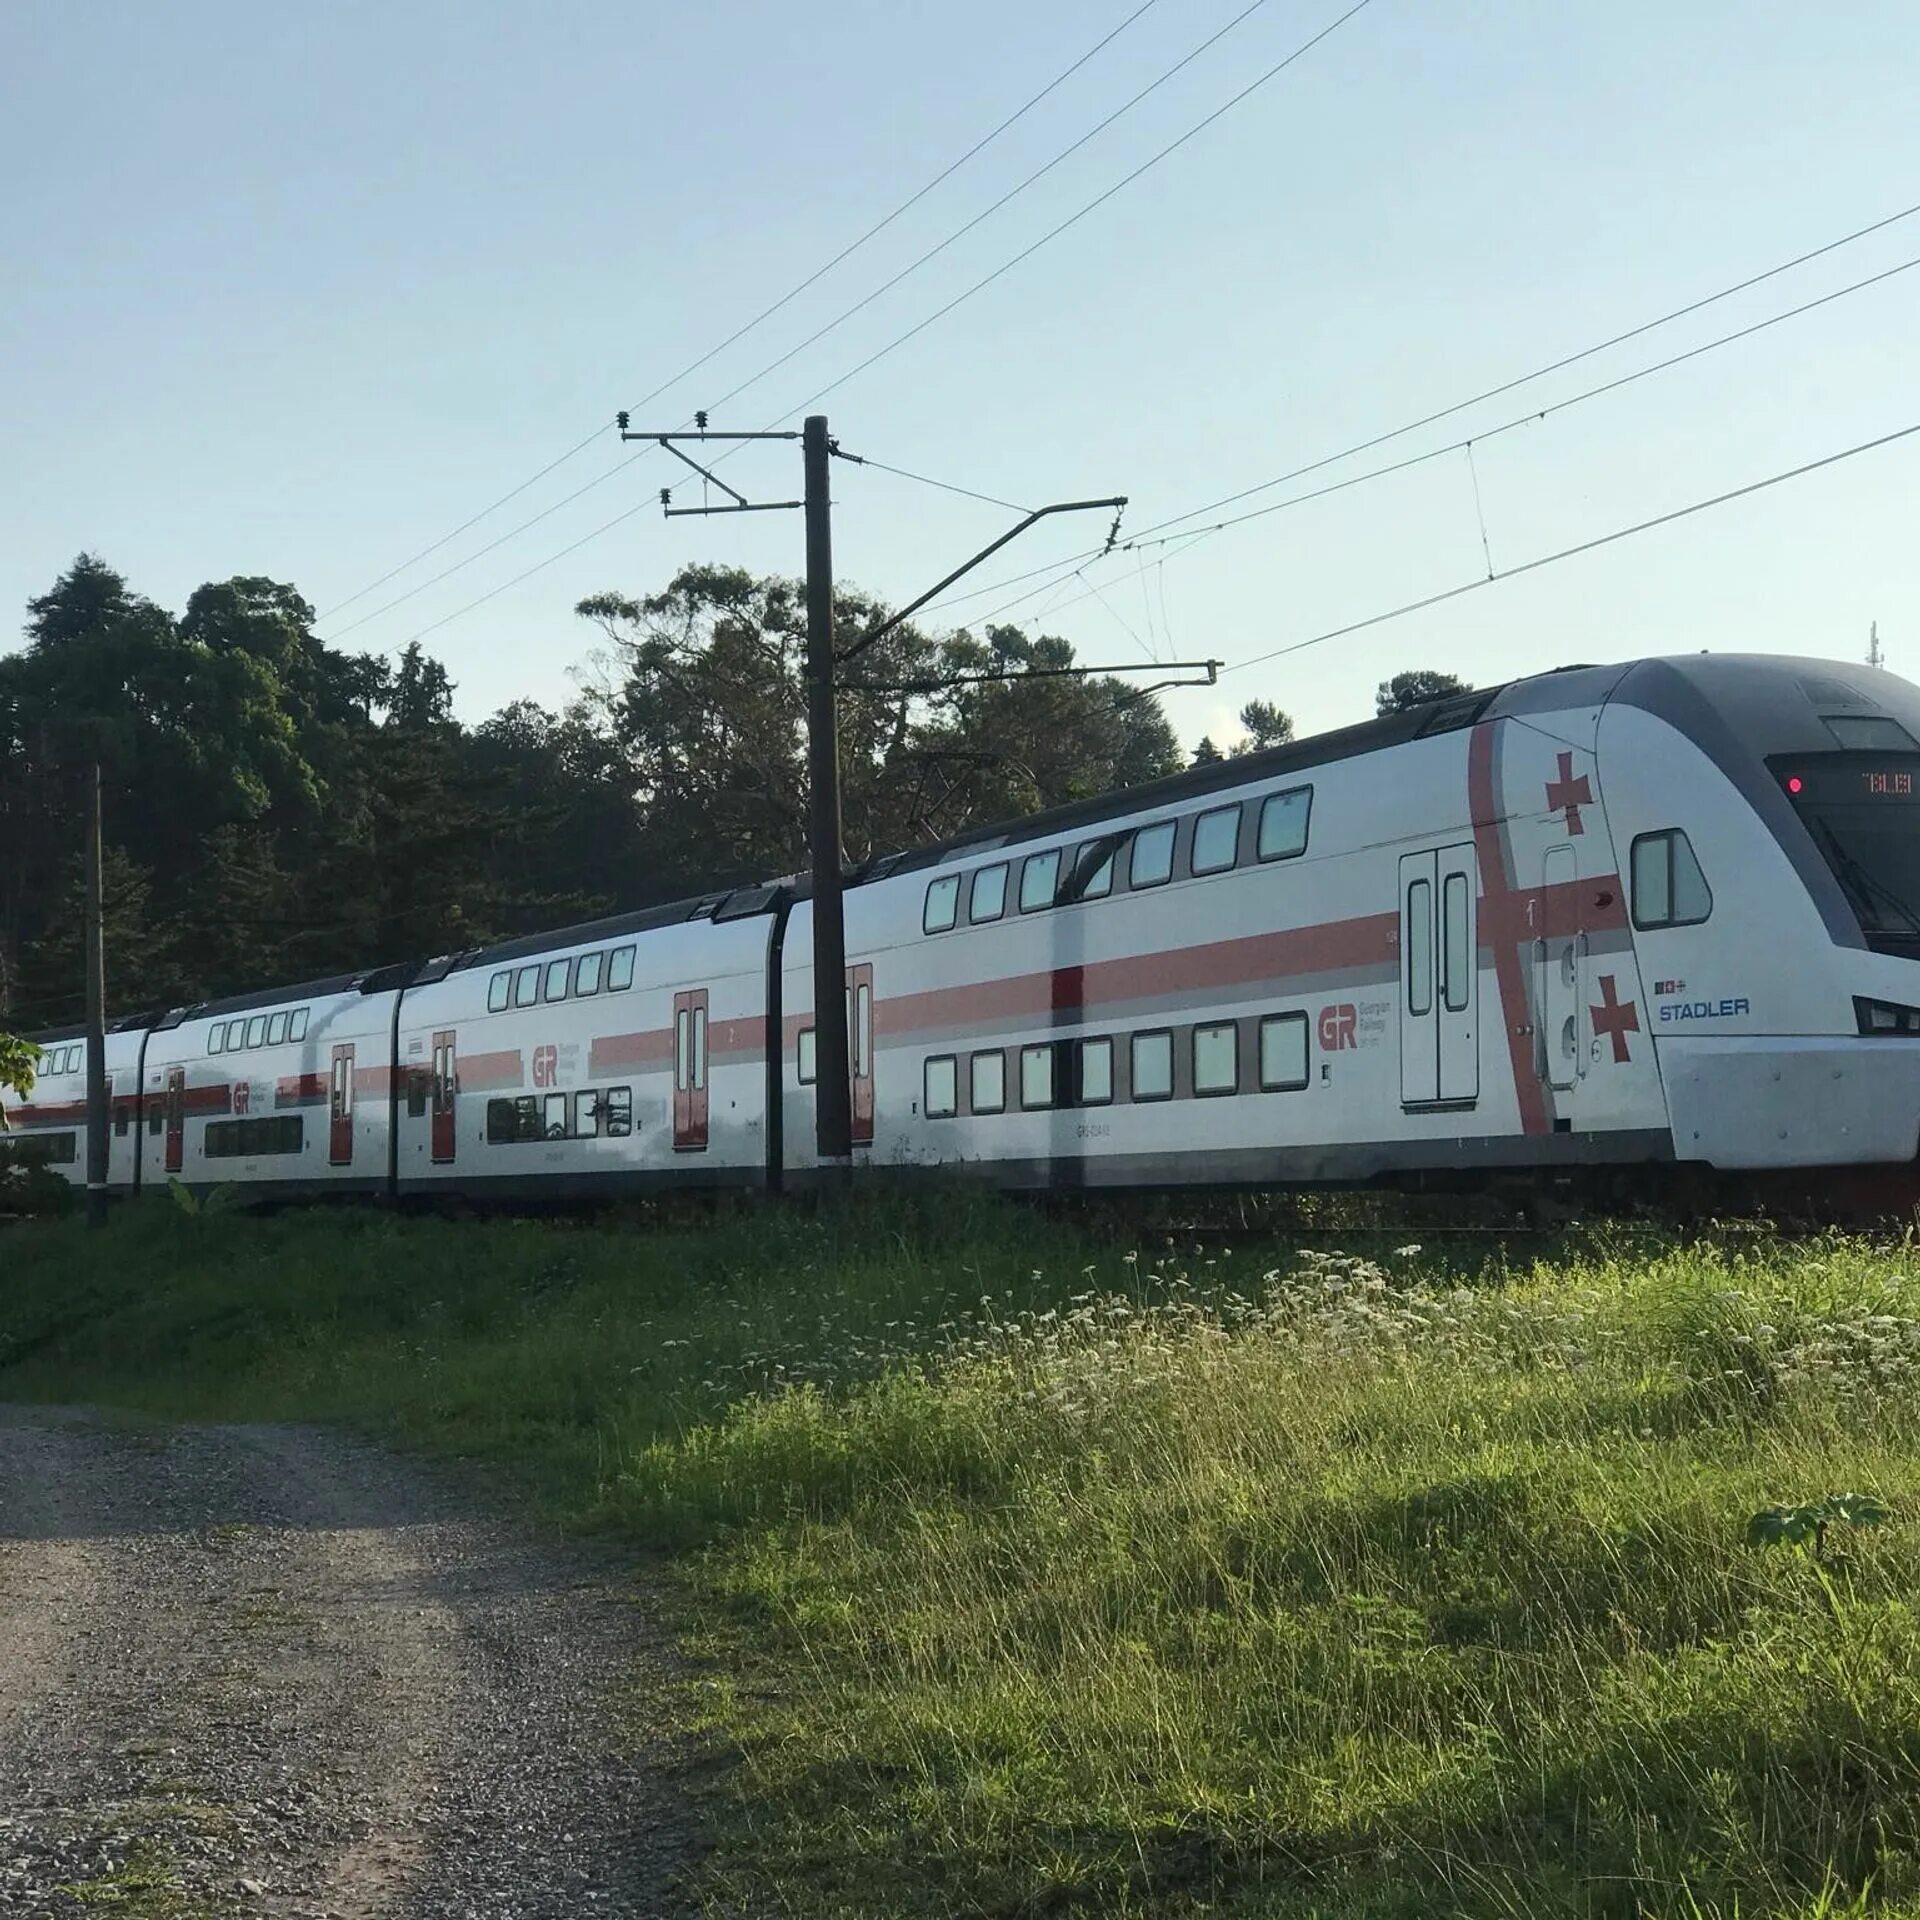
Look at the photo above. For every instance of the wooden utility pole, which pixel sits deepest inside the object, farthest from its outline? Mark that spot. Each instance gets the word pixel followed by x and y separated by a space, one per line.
pixel 99 1105
pixel 833 1090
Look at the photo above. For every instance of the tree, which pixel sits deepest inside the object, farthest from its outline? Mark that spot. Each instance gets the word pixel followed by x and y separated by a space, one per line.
pixel 1266 727
pixel 1416 689
pixel 18 1059
pixel 1206 754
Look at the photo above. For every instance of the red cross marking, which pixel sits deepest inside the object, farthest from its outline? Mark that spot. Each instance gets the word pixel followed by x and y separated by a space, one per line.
pixel 1614 1017
pixel 1569 794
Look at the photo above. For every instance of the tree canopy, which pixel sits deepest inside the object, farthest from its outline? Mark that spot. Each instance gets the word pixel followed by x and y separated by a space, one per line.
pixel 277 808
pixel 1415 689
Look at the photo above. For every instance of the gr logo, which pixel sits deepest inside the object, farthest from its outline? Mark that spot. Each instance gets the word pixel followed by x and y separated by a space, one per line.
pixel 1338 1024
pixel 546 1066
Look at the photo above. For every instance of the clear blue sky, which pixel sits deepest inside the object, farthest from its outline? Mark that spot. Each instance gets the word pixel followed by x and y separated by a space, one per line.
pixel 292 291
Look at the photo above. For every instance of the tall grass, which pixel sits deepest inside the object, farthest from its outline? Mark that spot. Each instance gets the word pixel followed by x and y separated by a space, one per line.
pixel 1032 1574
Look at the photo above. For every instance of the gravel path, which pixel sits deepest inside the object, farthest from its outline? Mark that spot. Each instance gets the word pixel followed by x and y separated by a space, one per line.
pixel 275 1671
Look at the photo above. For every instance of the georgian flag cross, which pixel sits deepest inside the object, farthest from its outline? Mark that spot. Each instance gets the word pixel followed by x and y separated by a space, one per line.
pixel 1614 1017
pixel 1569 795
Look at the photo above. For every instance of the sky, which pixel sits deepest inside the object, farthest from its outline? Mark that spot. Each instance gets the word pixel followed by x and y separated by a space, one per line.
pixel 297 291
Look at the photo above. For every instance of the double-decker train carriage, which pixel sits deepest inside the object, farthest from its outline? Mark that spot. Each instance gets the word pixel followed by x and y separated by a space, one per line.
pixel 1607 921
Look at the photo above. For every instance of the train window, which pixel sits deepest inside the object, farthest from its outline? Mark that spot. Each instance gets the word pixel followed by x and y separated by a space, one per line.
pixel 1039 880
pixel 1036 1076
pixel 553 1120
pixel 1096 1072
pixel 586 1113
pixel 988 899
pixel 1283 1052
pixel 586 974
pixel 1456 943
pixel 1151 862
pixel 700 1043
pixel 526 986
pixel 682 1039
pixel 1153 1065
pixel 216 1042
pixel 1420 948
pixel 942 905
pixel 254 1136
pixel 526 1118
pixel 559 973
pixel 616 1113
pixel 619 969
pixel 501 1129
pixel 46 1149
pixel 1669 890
pixel 942 1086
pixel 804 1057
pixel 297 1024
pixel 1283 824
pixel 988 1076
pixel 499 991
pixel 277 1030
pixel 1216 1058
pixel 156 1119
pixel 122 1118
pixel 1095 861
pixel 1869 732
pixel 419 1084
pixel 1216 840
pixel 257 1030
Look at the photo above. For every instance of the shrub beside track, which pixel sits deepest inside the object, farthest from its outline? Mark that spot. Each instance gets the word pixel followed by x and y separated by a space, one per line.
pixel 1035 1573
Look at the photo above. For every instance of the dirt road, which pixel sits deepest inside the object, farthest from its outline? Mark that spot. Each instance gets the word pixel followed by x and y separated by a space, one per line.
pixel 274 1671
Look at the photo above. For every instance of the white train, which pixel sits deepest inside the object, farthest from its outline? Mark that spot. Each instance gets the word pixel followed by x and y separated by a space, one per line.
pixel 1605 921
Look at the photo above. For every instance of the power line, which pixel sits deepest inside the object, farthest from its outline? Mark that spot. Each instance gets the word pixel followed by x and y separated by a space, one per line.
pixel 1539 373
pixel 766 313
pixel 1006 267
pixel 1074 219
pixel 926 480
pixel 1013 193
pixel 1585 546
pixel 1064 569
pixel 1193 535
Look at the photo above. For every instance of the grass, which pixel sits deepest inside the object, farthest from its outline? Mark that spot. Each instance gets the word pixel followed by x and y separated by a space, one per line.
pixel 1033 1575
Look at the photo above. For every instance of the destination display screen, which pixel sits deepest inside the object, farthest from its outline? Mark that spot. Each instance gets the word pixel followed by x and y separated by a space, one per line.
pixel 1863 812
pixel 1851 779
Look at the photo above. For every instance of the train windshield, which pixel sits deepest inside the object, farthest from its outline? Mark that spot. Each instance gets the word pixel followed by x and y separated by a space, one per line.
pixel 1863 811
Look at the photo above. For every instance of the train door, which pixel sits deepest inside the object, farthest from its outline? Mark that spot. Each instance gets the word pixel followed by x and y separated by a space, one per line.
pixel 860 1050
pixel 1560 954
pixel 340 1109
pixel 176 1119
pixel 690 1070
pixel 1439 979
pixel 445 1084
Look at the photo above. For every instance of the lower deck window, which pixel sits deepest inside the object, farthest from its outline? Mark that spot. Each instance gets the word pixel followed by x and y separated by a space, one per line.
pixel 942 1087
pixel 1216 1058
pixel 1036 1076
pixel 43 1149
pixel 1153 1065
pixel 253 1138
pixel 1096 1072
pixel 988 1072
pixel 1283 1052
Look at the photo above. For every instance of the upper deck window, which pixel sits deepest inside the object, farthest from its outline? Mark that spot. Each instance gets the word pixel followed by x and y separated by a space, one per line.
pixel 1669 890
pixel 587 972
pixel 559 975
pixel 619 969
pixel 1150 863
pixel 1283 823
pixel 277 1030
pixel 297 1024
pixel 1039 880
pixel 1092 876
pixel 499 992
pixel 1216 840
pixel 941 909
pixel 988 898
pixel 526 987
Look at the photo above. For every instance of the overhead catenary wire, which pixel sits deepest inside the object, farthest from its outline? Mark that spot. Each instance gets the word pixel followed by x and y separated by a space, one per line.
pixel 1156 535
pixel 900 340
pixel 986 213
pixel 766 313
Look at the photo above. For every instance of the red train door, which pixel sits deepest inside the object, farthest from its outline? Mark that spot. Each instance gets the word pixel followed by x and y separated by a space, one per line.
pixel 340 1109
pixel 690 1070
pixel 860 1050
pixel 445 1084
pixel 176 1118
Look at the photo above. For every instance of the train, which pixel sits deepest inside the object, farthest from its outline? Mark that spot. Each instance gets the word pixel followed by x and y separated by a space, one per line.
pixel 1603 926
